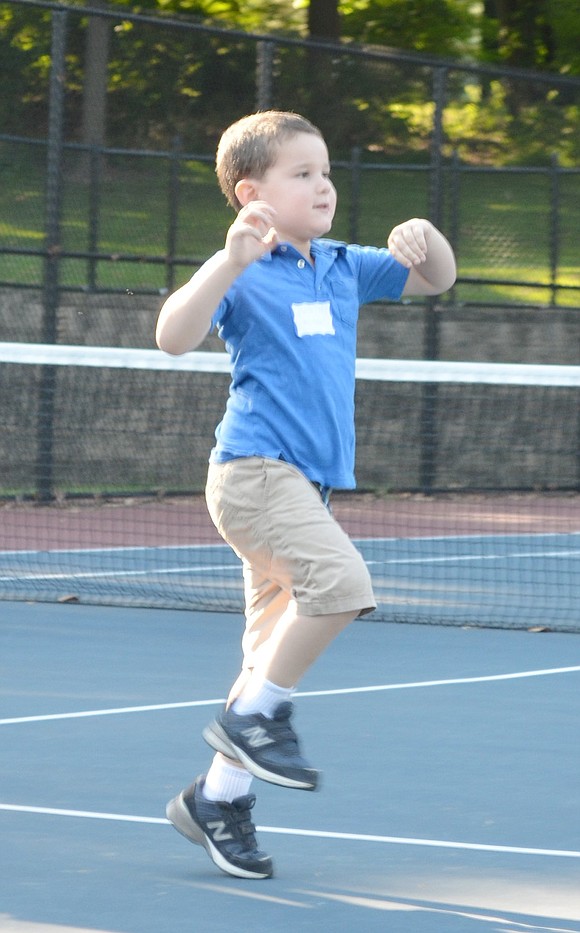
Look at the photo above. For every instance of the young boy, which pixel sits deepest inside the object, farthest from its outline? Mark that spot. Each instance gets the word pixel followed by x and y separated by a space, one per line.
pixel 286 304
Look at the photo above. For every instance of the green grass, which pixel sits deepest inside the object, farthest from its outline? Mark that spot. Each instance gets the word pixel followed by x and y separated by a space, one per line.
pixel 503 223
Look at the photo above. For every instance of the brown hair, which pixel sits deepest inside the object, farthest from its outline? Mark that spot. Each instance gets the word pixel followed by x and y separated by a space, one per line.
pixel 249 147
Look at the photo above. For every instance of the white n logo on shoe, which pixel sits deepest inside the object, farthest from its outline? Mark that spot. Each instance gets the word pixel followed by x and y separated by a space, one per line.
pixel 257 737
pixel 218 832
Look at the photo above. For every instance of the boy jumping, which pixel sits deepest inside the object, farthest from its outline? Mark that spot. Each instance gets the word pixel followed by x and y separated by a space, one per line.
pixel 286 304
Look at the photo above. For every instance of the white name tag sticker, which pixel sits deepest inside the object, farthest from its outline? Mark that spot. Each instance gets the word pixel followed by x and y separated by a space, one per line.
pixel 312 317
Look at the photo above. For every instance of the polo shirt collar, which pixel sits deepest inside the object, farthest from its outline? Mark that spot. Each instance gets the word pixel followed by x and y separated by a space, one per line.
pixel 332 248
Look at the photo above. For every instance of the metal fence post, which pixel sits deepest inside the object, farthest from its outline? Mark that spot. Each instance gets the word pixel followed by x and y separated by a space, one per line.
pixel 173 210
pixel 454 200
pixel 54 174
pixel 554 226
pixel 430 391
pixel 95 171
pixel 44 458
pixel 436 177
pixel 264 73
pixel 354 208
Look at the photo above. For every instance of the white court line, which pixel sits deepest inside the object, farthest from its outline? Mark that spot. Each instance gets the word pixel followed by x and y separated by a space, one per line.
pixel 122 548
pixel 517 675
pixel 340 691
pixel 457 558
pixel 73 575
pixel 40 575
pixel 154 571
pixel 315 833
pixel 82 714
pixel 127 549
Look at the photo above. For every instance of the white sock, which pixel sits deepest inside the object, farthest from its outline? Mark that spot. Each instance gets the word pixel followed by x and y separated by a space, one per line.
pixel 225 781
pixel 260 696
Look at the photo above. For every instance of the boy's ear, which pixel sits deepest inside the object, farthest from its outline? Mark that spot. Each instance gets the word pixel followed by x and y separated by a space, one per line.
pixel 245 191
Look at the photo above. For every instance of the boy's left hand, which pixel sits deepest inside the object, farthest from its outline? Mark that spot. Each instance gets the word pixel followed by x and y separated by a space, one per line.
pixel 407 242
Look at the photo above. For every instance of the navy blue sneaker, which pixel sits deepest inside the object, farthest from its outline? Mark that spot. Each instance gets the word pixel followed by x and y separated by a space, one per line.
pixel 268 748
pixel 225 830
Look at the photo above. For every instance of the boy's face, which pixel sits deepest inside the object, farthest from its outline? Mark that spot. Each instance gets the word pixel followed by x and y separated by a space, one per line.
pixel 298 187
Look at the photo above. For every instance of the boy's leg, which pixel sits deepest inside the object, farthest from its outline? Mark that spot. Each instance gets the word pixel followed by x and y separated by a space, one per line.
pixel 217 798
pixel 297 641
pixel 280 644
pixel 266 602
pixel 227 779
pixel 256 727
pixel 215 813
pixel 297 562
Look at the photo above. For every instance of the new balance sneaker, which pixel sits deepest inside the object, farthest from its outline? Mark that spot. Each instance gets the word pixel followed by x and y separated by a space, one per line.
pixel 225 830
pixel 268 748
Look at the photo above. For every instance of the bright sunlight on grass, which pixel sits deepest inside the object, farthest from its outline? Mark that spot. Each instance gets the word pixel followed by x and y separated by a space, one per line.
pixel 501 224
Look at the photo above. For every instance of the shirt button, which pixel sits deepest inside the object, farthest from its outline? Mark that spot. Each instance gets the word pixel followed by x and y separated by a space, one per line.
pixel 283 249
pixel 300 263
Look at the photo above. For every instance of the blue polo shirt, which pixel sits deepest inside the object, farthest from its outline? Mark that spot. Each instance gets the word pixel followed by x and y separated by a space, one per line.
pixel 290 330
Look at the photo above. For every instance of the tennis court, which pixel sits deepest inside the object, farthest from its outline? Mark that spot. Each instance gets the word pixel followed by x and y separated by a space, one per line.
pixel 449 751
pixel 449 800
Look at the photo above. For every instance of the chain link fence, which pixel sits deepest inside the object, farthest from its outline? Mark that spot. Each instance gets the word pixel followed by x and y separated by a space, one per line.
pixel 108 136
pixel 108 199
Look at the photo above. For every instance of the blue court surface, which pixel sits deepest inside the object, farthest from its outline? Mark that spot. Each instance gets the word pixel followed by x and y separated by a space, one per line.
pixel 450 800
pixel 504 580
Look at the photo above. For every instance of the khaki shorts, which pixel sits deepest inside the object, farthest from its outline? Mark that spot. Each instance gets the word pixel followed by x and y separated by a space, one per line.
pixel 290 545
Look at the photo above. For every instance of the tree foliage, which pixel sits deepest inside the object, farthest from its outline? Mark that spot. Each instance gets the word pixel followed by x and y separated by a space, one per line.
pixel 442 27
pixel 542 34
pixel 165 81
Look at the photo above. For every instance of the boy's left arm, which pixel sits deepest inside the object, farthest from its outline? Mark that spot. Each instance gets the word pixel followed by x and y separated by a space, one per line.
pixel 423 249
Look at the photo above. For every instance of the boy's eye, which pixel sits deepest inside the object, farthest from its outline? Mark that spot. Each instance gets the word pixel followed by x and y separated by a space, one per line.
pixel 306 174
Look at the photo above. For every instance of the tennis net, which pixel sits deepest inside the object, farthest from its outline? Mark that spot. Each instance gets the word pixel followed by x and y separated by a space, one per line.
pixel 467 509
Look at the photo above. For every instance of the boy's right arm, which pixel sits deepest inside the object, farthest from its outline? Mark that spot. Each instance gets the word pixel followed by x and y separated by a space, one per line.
pixel 185 318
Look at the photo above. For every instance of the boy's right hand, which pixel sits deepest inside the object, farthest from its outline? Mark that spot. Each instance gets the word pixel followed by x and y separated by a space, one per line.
pixel 252 234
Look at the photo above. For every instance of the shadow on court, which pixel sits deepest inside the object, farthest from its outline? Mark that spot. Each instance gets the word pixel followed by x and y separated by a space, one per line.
pixel 450 795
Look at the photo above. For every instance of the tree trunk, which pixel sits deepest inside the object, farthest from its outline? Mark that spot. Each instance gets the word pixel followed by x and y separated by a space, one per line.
pixel 324 20
pixel 524 40
pixel 323 26
pixel 95 84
